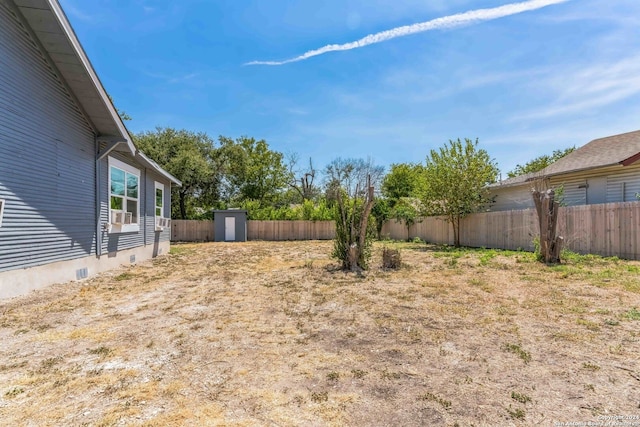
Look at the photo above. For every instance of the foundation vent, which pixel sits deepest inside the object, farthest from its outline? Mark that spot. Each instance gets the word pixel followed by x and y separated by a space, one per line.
pixel 132 259
pixel 82 273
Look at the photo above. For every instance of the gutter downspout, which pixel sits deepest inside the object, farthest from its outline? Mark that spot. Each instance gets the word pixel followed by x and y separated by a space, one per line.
pixel 144 206
pixel 101 154
pixel 97 184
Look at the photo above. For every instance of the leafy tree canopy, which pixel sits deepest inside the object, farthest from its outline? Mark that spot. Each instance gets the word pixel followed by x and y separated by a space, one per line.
pixel 406 210
pixel 190 157
pixel 252 171
pixel 539 163
pixel 455 179
pixel 403 180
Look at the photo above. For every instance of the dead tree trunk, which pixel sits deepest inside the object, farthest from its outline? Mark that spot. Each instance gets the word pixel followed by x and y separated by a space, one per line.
pixel 357 248
pixel 351 233
pixel 547 209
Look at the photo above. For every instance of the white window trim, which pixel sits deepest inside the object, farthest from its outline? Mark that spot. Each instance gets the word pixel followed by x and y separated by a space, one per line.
pixel 158 186
pixel 2 203
pixel 123 228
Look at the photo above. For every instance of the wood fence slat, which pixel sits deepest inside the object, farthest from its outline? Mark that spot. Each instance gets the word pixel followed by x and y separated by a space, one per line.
pixel 611 229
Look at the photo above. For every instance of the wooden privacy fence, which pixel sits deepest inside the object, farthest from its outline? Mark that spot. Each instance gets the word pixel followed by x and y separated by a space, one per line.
pixel 611 229
pixel 291 230
pixel 203 231
pixel 191 231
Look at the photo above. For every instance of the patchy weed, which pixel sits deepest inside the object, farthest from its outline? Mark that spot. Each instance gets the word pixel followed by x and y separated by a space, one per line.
pixel 633 314
pixel 430 397
pixel 124 276
pixel 590 366
pixel 319 396
pixel 14 391
pixel 101 351
pixel 516 414
pixel 520 397
pixel 518 351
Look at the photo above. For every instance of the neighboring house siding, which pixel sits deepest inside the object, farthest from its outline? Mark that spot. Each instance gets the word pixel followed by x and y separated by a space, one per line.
pixel 512 198
pixel 624 186
pixel 572 193
pixel 612 184
pixel 614 180
pixel 46 159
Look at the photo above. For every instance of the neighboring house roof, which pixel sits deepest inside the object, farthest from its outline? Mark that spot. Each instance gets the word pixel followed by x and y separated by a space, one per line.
pixel 623 149
pixel 49 25
pixel 609 151
pixel 516 180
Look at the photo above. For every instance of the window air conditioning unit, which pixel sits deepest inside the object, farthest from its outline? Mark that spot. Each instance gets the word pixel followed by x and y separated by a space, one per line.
pixel 128 217
pixel 117 217
pixel 162 223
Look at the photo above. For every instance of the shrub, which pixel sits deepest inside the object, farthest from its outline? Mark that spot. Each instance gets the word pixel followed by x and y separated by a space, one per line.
pixel 391 258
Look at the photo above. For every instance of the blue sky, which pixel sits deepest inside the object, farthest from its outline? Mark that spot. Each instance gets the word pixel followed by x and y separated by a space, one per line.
pixel 524 84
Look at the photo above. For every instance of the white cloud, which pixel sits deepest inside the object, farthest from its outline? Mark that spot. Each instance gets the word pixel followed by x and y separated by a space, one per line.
pixel 470 17
pixel 586 89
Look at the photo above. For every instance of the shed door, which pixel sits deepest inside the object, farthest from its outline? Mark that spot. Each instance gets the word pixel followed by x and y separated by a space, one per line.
pixel 230 228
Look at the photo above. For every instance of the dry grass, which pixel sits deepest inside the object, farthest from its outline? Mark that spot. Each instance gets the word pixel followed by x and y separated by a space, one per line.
pixel 273 334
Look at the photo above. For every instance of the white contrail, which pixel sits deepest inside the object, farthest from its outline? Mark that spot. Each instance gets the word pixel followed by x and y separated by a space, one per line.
pixel 456 20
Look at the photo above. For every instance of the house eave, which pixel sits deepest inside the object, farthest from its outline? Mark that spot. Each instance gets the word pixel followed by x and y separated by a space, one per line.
pixel 50 26
pixel 631 160
pixel 146 161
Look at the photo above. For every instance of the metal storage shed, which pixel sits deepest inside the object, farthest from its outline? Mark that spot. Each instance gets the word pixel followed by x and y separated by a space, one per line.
pixel 230 225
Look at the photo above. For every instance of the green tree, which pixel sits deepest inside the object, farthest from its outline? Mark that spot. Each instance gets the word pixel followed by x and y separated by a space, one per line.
pixel 403 180
pixel 190 157
pixel 539 163
pixel 252 171
pixel 455 180
pixel 400 188
pixel 381 212
pixel 406 211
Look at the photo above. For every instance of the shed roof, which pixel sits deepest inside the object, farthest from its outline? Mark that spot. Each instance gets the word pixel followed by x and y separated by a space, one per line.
pixel 49 25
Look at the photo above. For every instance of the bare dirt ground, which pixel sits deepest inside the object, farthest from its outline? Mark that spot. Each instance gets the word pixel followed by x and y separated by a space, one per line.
pixel 265 333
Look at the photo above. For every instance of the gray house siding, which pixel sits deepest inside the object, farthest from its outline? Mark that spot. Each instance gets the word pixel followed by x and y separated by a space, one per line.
pixel 624 187
pixel 47 170
pixel 574 191
pixel 512 198
pixel 153 236
pixel 605 185
pixel 112 242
